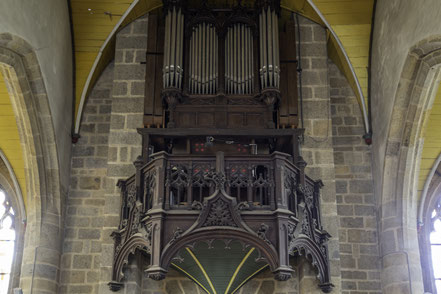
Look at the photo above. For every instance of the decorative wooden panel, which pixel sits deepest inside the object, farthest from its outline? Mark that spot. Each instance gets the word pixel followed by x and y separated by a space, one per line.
pixel 220 116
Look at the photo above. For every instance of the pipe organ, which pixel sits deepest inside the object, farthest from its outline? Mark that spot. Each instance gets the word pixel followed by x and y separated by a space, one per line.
pixel 225 56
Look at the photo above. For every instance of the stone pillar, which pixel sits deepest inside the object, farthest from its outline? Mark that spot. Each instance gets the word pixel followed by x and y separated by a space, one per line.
pixel 41 254
pixel 317 148
pixel 80 262
pixel 359 252
pixel 124 141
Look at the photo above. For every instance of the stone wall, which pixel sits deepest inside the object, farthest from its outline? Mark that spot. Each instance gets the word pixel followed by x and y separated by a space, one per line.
pixel 124 141
pixel 84 212
pixel 317 149
pixel 359 251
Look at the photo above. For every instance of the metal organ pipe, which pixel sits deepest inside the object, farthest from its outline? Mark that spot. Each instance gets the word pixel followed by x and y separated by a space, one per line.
pixel 213 61
pixel 239 60
pixel 166 49
pixel 208 63
pixel 244 59
pixel 270 64
pixel 173 46
pixel 180 45
pixel 203 60
pixel 276 50
pixel 192 66
pixel 262 62
pixel 264 50
pixel 242 65
pixel 233 62
pixel 215 56
pixel 269 48
pixel 250 62
pixel 204 57
pixel 198 58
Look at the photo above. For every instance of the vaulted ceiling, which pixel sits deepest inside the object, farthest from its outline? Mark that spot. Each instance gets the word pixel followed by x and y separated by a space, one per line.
pixel 432 141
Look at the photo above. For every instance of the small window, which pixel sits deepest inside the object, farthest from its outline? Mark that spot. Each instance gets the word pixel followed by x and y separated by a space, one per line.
pixel 7 241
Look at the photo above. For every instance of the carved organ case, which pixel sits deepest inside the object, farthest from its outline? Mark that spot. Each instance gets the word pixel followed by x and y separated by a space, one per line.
pixel 219 66
pixel 221 163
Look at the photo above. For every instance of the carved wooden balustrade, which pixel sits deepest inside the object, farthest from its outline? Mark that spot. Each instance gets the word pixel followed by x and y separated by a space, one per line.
pixel 265 201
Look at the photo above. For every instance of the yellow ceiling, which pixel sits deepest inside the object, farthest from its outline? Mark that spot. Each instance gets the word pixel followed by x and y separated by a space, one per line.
pixel 91 27
pixel 351 21
pixel 10 140
pixel 432 141
pixel 95 20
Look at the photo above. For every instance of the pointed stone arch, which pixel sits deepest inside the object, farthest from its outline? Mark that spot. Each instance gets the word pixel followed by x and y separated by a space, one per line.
pixel 420 77
pixel 41 256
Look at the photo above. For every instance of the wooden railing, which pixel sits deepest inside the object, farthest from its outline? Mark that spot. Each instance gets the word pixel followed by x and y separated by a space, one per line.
pixel 258 182
pixel 265 199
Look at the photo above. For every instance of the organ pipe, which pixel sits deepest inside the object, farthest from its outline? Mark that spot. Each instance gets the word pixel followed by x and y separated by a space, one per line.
pixel 173 47
pixel 203 60
pixel 269 48
pixel 239 60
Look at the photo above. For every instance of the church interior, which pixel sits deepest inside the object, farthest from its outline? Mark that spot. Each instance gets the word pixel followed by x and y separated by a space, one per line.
pixel 220 146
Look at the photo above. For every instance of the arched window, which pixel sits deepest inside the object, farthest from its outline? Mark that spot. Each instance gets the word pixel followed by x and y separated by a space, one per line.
pixel 435 244
pixel 7 241
pixel 429 219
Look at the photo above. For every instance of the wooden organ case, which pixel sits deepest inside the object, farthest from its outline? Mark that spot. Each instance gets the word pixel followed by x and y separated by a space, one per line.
pixel 220 67
pixel 221 154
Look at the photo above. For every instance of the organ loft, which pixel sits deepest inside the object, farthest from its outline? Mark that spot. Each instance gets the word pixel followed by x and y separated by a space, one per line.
pixel 221 177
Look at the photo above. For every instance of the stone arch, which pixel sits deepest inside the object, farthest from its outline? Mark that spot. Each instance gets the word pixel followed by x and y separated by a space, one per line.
pixel 401 269
pixel 41 256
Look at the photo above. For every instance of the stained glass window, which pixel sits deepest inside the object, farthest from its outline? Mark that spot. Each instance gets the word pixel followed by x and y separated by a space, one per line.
pixel 435 244
pixel 7 241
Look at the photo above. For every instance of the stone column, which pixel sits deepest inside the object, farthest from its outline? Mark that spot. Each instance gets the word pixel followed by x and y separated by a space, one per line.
pixel 80 261
pixel 317 148
pixel 124 141
pixel 359 252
